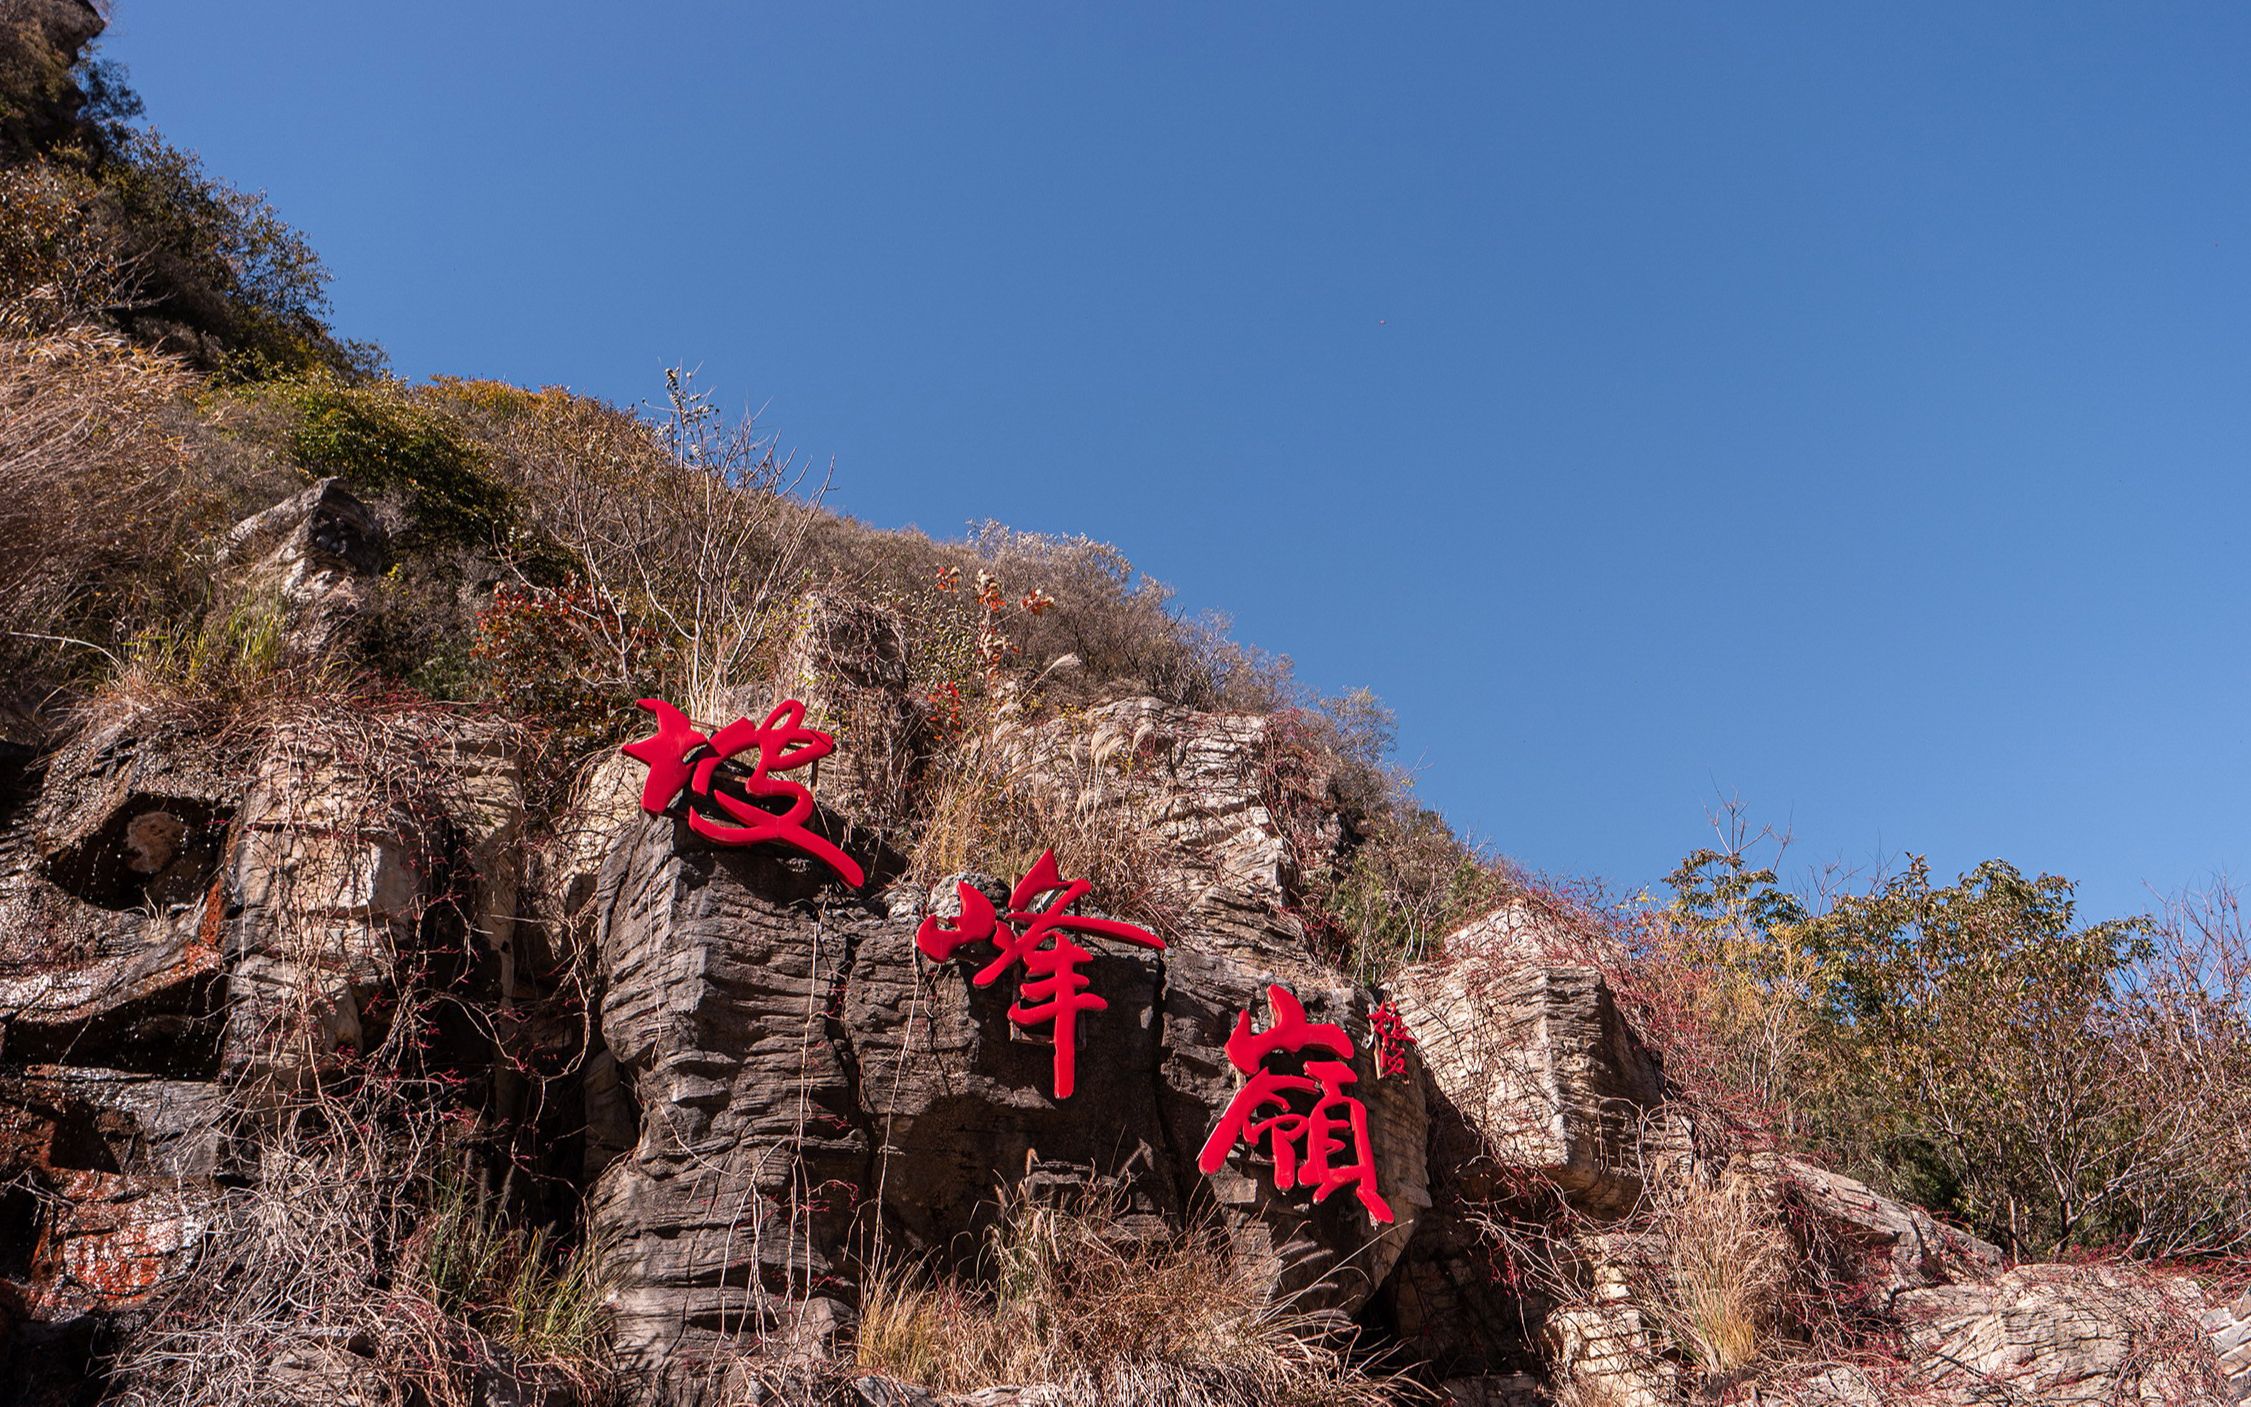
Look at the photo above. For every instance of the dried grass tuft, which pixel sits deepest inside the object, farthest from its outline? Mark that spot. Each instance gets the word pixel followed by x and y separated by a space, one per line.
pixel 1067 1299
pixel 95 506
pixel 1721 1271
pixel 993 805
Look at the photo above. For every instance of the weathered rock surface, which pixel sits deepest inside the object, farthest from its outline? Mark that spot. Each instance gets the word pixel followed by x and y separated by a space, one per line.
pixel 807 1081
pixel 2229 1327
pixel 108 901
pixel 847 663
pixel 1539 1087
pixel 2063 1335
pixel 1889 1246
pixel 313 559
pixel 1186 784
pixel 347 843
pixel 114 1177
pixel 724 971
pixel 1534 1056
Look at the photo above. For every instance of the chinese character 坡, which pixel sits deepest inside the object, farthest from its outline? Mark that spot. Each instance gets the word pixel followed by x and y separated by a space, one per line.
pixel 1306 1148
pixel 680 758
pixel 1053 990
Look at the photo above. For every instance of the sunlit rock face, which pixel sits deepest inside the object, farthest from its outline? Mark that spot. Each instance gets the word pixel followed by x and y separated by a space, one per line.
pixel 805 1087
pixel 753 1082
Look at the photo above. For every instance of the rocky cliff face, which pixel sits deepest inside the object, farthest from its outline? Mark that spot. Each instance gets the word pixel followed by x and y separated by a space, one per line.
pixel 807 1084
pixel 740 1083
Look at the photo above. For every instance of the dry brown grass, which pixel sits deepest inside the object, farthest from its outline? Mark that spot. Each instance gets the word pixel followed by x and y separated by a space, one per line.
pixel 1720 1274
pixel 97 508
pixel 993 804
pixel 296 1295
pixel 1067 1299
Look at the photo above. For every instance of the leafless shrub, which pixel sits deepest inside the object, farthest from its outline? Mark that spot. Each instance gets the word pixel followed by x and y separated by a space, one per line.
pixel 285 1304
pixel 2181 1037
pixel 1116 623
pixel 2169 1355
pixel 1698 1281
pixel 693 524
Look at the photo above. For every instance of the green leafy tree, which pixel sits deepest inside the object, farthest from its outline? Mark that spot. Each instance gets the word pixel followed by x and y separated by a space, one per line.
pixel 1964 1033
pixel 1973 1046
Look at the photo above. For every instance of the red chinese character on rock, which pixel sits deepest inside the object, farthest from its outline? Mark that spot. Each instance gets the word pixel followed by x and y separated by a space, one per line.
pixel 680 758
pixel 1392 1039
pixel 1053 991
pixel 1306 1148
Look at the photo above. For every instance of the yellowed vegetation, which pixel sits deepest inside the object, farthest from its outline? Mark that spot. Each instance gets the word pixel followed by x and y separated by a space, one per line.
pixel 1069 1300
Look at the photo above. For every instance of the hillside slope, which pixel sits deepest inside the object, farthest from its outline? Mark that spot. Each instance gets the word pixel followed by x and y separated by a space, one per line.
pixel 438 964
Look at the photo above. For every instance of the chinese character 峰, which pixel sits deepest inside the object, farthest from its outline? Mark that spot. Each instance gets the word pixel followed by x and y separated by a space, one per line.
pixel 1053 990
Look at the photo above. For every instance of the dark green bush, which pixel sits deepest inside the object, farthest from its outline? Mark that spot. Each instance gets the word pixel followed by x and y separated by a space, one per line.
pixel 383 441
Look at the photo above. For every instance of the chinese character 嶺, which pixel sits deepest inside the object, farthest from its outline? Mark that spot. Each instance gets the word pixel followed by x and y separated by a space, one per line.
pixel 1053 990
pixel 1304 1147
pixel 680 758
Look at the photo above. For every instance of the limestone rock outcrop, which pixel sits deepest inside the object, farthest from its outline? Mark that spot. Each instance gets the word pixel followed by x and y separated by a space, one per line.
pixel 115 1177
pixel 348 839
pixel 742 1084
pixel 1907 1247
pixel 2229 1326
pixel 1534 1055
pixel 108 917
pixel 810 1088
pixel 2065 1335
pixel 311 560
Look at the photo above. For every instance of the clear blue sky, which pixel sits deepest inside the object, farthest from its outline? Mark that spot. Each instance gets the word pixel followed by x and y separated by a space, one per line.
pixel 1845 407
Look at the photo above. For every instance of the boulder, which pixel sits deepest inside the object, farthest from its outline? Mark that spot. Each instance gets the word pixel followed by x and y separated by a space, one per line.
pixel 1535 1058
pixel 723 976
pixel 313 558
pixel 132 812
pixel 846 661
pixel 1604 1352
pixel 1881 1247
pixel 2065 1335
pixel 1539 1089
pixel 355 834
